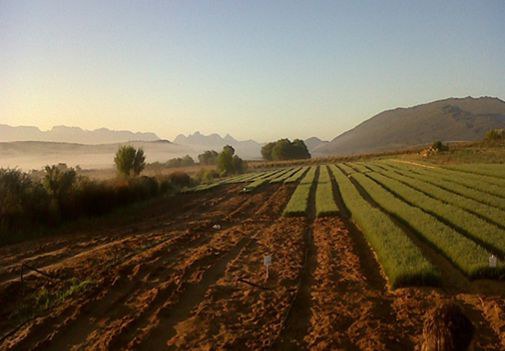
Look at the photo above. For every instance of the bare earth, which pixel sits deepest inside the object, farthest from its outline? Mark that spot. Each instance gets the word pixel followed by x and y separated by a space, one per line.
pixel 172 281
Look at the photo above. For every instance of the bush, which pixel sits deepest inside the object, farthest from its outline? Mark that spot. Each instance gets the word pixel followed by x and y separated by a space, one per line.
pixel 27 203
pixel 438 146
pixel 206 176
pixel 495 136
pixel 185 161
pixel 180 179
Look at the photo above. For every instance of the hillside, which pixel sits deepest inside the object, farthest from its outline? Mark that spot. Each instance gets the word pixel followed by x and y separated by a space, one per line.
pixel 453 119
pixel 314 142
pixel 64 134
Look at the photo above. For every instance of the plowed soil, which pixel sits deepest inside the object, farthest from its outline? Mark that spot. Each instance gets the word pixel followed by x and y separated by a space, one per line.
pixel 171 279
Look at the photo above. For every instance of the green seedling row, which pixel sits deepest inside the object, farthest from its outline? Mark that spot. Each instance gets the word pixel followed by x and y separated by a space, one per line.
pixel 299 202
pixel 491 213
pixel 297 175
pixel 471 258
pixel 448 185
pixel 283 177
pixel 325 202
pixel 475 227
pixel 492 170
pixel 490 185
pixel 402 261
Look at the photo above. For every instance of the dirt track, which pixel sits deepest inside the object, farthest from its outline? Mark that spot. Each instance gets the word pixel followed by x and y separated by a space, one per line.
pixel 172 281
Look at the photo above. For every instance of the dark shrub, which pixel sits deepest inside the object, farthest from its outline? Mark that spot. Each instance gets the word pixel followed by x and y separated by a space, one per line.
pixel 180 179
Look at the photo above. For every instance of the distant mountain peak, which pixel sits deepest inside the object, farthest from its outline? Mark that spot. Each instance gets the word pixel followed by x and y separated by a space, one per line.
pixel 244 148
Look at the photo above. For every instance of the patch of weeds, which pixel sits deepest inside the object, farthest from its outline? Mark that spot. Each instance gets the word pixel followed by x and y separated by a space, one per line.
pixel 44 299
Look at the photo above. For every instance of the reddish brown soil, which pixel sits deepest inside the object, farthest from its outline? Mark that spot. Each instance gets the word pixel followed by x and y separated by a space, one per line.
pixel 167 279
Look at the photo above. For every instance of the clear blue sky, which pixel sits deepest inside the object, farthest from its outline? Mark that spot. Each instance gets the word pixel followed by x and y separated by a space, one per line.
pixel 254 69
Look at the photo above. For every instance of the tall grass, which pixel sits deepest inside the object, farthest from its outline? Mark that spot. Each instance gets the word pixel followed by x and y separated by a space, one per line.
pixel 325 203
pixel 298 204
pixel 401 260
pixel 466 254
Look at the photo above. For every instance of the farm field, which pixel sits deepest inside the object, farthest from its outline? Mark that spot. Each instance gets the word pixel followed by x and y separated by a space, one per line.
pixel 360 252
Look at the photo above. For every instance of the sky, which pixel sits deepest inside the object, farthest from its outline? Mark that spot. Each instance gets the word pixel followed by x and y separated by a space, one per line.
pixel 255 69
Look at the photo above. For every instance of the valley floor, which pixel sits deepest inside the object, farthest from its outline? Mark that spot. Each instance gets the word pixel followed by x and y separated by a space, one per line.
pixel 190 275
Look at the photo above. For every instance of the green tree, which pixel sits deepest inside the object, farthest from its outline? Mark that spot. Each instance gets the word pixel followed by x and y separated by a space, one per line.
pixel 266 151
pixel 284 149
pixel 229 163
pixel 129 161
pixel 209 157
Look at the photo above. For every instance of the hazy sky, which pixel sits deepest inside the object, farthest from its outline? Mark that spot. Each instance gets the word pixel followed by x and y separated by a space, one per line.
pixel 254 69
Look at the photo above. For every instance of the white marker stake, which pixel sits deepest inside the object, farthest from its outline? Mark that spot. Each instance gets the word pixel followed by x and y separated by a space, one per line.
pixel 492 261
pixel 267 261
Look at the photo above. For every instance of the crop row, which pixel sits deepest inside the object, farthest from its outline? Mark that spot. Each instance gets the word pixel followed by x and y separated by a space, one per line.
pixel 401 260
pixel 297 175
pixel 448 185
pixel 490 185
pixel 490 213
pixel 299 202
pixel 325 203
pixel 201 187
pixel 475 227
pixel 492 170
pixel 467 255
pixel 243 178
pixel 281 178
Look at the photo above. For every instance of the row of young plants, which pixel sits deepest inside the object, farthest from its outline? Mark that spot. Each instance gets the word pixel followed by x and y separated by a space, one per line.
pixel 297 175
pixel 470 257
pixel 490 185
pixel 325 202
pixel 490 213
pixel 401 260
pixel 299 202
pixel 492 170
pixel 448 185
pixel 281 178
pixel 480 230
pixel 262 179
pixel 201 187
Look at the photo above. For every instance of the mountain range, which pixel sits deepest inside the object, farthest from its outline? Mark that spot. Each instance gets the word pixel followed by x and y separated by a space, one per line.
pixel 453 119
pixel 64 134
pixel 248 149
